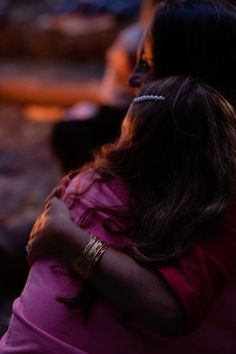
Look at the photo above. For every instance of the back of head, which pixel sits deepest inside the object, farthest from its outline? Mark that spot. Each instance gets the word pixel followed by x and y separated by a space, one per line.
pixel 197 38
pixel 192 130
pixel 179 152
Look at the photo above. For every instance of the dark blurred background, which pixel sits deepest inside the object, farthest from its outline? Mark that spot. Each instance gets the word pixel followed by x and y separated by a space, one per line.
pixel 52 55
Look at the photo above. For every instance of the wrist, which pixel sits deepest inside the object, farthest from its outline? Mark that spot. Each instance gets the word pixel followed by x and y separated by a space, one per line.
pixel 73 240
pixel 90 256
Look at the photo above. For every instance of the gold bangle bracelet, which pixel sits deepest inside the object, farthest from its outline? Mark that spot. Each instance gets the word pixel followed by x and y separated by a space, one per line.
pixel 89 256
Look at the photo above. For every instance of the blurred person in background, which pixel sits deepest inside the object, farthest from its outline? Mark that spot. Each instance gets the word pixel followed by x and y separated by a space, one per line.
pixel 87 126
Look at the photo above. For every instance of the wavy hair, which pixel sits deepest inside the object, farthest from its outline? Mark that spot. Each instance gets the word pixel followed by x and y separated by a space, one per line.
pixel 178 158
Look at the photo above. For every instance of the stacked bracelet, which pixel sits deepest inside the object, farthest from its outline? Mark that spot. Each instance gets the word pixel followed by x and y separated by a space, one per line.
pixel 89 256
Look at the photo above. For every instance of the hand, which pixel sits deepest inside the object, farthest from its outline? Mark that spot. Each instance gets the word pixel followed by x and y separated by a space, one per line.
pixel 59 190
pixel 50 230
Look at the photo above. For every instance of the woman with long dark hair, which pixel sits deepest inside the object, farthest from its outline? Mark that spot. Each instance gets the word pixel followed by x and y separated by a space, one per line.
pixel 161 189
pixel 190 37
pixel 202 34
pixel 87 126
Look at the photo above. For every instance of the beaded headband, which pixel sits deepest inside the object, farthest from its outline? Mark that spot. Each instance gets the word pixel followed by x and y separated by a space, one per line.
pixel 148 98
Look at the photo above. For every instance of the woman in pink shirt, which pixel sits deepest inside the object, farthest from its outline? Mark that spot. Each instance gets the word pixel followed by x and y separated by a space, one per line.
pixel 175 158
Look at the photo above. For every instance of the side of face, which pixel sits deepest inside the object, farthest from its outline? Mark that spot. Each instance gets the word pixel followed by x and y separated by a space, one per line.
pixel 144 68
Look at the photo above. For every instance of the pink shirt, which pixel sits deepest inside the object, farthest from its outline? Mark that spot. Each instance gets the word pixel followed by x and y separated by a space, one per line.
pixel 40 324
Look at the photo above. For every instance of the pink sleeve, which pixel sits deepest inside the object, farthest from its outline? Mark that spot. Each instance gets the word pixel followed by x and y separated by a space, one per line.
pixel 200 275
pixel 86 191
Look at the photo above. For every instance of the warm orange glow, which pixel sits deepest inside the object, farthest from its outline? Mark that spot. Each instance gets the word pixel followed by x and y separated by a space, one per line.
pixel 43 113
pixel 40 90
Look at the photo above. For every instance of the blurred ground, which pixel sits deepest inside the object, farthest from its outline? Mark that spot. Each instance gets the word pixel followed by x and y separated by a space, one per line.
pixel 27 168
pixel 27 173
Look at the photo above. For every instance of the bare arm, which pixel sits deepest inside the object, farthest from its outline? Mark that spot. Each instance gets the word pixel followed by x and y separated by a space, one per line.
pixel 136 291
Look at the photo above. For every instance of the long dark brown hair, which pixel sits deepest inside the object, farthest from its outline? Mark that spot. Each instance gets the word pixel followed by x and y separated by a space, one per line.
pixel 178 159
pixel 197 38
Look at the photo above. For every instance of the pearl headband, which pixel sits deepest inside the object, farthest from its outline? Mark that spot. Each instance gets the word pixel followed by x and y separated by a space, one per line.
pixel 148 98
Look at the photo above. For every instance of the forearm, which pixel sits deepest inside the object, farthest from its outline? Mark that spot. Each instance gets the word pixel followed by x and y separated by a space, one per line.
pixel 138 292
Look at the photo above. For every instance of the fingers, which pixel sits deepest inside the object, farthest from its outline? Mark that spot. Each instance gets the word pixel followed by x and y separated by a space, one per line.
pixel 52 203
pixel 30 245
pixel 35 246
pixel 34 234
pixel 56 208
pixel 48 203
pixel 65 181
pixel 33 251
pixel 59 190
pixel 36 226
